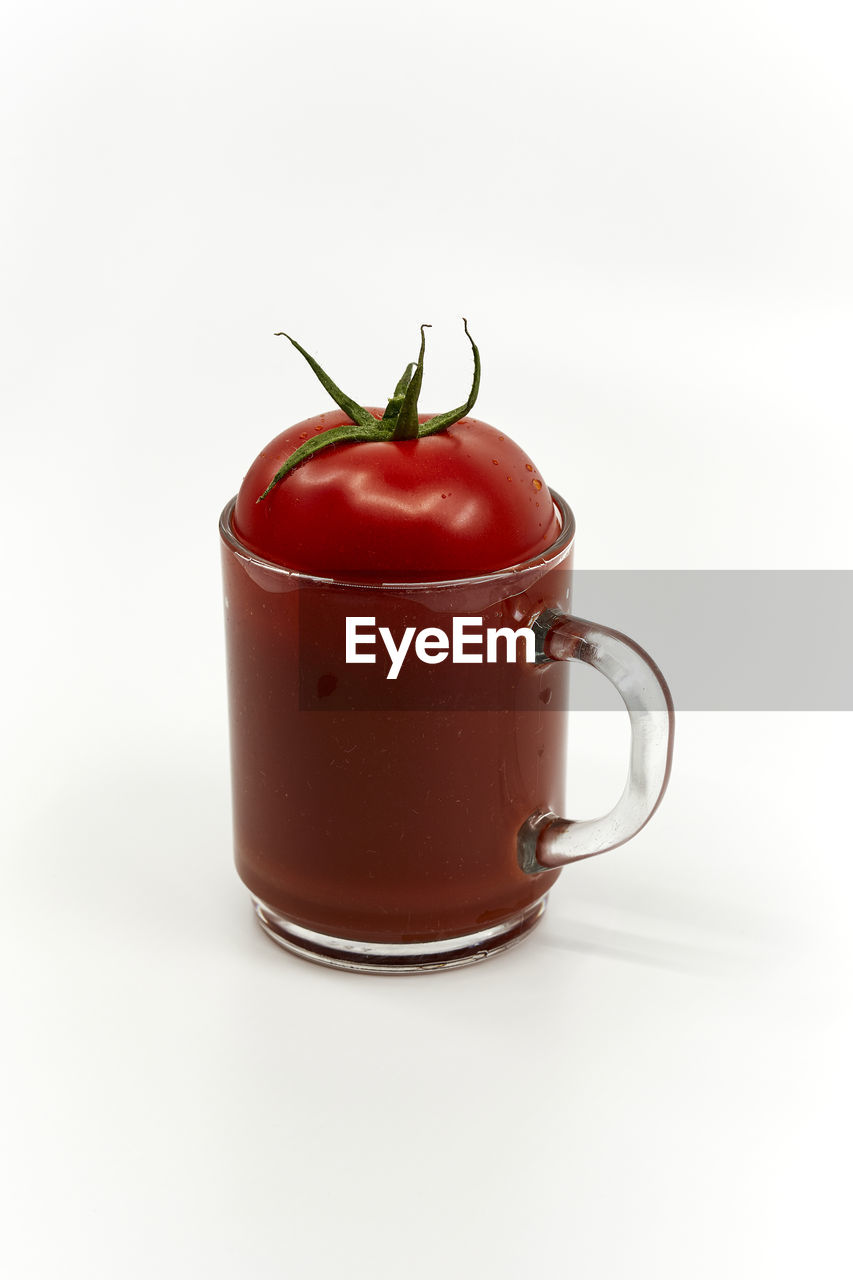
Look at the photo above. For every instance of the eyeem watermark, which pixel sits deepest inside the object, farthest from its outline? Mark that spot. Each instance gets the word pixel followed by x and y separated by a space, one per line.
pixel 470 641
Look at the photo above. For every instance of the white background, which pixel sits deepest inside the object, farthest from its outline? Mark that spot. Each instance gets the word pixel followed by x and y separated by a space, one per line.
pixel 645 212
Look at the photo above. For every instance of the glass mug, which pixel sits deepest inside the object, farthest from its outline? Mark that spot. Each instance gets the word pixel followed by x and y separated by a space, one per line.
pixel 408 822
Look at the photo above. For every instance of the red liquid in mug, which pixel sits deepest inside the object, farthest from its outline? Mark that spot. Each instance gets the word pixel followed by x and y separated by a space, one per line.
pixel 379 810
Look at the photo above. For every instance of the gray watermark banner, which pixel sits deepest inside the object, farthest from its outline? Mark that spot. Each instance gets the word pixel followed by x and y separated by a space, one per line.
pixel 725 640
pixel 730 640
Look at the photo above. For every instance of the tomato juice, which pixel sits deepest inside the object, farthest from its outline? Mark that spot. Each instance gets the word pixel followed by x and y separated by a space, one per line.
pixel 378 810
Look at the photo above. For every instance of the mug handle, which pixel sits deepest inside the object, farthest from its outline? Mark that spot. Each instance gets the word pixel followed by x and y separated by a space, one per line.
pixel 546 840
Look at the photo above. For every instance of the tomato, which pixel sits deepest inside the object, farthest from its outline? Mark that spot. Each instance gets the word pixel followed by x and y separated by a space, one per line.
pixel 462 500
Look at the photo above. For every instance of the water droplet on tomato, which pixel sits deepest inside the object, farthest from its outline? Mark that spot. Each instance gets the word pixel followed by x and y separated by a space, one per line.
pixel 495 461
pixel 528 466
pixel 537 485
pixel 304 435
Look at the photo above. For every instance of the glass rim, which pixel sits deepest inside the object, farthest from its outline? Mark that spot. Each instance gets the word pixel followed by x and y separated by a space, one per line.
pixel 559 547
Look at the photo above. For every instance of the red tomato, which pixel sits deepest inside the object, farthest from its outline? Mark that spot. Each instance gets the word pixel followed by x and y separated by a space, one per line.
pixel 464 501
pixel 371 498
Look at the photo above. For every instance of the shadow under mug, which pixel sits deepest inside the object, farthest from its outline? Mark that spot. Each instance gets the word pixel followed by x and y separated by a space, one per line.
pixel 412 823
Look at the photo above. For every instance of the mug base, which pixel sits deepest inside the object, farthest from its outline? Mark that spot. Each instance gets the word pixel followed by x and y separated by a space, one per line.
pixel 398 957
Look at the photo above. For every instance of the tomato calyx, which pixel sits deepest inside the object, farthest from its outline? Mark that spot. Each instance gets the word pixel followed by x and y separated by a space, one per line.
pixel 398 422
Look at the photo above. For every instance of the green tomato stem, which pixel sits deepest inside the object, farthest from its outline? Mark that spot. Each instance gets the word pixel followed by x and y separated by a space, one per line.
pixel 399 422
pixel 406 427
pixel 393 409
pixel 442 421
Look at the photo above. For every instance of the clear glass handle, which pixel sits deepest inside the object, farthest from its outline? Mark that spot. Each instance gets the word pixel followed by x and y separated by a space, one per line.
pixel 547 840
